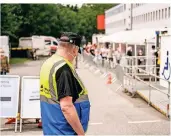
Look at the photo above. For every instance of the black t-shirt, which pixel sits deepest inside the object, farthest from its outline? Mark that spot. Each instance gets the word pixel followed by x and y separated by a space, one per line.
pixel 67 84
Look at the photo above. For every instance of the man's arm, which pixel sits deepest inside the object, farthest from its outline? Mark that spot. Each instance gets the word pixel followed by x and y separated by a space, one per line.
pixel 71 115
pixel 66 97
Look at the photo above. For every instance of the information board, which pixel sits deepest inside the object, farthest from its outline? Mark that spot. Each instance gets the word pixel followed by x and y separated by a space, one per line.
pixel 30 97
pixel 165 66
pixel 9 95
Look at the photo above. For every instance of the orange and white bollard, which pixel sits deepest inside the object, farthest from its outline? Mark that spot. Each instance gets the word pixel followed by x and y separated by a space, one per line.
pixel 109 79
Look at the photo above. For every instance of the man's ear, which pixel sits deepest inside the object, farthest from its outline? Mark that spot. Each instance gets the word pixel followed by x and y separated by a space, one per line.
pixel 75 51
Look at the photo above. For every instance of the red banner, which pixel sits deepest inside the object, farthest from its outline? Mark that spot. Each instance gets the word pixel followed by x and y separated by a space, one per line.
pixel 100 22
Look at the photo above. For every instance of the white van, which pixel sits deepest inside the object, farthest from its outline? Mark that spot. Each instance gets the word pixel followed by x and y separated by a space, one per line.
pixel 39 45
pixel 51 43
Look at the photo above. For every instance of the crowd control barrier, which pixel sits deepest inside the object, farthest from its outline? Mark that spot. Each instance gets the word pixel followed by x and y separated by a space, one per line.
pixel 30 99
pixel 9 97
pixel 104 68
pixel 129 73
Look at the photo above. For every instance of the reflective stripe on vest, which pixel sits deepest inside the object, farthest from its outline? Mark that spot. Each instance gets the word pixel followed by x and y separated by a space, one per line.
pixel 47 87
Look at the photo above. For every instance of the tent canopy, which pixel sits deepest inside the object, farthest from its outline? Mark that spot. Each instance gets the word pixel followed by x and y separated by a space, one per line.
pixel 132 37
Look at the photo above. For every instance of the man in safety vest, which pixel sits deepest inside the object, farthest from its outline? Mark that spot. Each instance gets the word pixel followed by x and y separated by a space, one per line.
pixel 65 106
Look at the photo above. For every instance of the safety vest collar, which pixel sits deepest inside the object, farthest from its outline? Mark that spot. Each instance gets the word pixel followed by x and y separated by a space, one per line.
pixel 67 61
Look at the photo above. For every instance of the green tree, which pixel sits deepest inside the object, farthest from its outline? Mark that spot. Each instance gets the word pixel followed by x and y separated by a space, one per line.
pixel 21 20
pixel 10 20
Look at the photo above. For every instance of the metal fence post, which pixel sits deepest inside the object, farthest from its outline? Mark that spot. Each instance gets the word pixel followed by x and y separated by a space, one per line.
pixel 149 90
pixel 136 63
pixel 168 105
pixel 124 79
pixel 132 66
pixel 155 69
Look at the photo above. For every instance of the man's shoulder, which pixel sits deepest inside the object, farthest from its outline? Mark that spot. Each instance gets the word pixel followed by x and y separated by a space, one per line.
pixel 64 69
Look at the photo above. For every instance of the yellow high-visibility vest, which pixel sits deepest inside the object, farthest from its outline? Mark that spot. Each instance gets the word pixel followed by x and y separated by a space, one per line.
pixel 48 71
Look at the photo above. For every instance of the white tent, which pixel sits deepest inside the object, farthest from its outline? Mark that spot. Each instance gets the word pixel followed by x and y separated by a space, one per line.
pixel 132 37
pixel 103 39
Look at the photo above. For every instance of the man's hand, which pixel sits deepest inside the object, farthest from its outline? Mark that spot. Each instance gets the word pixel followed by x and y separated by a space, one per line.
pixel 71 115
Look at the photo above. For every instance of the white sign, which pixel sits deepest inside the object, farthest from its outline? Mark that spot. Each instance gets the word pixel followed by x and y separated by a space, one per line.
pixel 9 95
pixel 30 97
pixel 165 66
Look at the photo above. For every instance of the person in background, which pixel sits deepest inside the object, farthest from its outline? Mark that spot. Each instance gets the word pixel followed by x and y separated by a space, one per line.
pixel 129 51
pixel 84 47
pixel 104 53
pixel 153 58
pixel 129 54
pixel 92 49
pixel 153 50
pixel 97 57
pixel 140 59
pixel 4 63
pixel 158 62
pixel 110 55
pixel 88 47
pixel 118 55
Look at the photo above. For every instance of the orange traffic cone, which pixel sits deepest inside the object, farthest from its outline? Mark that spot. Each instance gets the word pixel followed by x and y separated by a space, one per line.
pixel 109 79
pixel 12 120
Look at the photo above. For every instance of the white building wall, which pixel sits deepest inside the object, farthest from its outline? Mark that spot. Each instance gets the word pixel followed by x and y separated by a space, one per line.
pixel 115 19
pixel 128 16
pixel 151 16
pixel 137 16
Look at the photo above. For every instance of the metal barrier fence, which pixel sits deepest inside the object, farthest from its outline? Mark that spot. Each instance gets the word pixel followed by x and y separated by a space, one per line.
pixel 107 65
pixel 104 66
pixel 131 81
pixel 128 73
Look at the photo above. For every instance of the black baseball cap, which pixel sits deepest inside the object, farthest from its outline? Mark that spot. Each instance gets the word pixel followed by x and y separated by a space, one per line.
pixel 72 38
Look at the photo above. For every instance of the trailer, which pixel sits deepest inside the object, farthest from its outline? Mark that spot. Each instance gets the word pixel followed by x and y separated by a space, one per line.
pixel 35 46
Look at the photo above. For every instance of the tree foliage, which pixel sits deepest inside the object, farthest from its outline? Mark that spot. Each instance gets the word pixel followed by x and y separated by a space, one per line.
pixel 21 20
